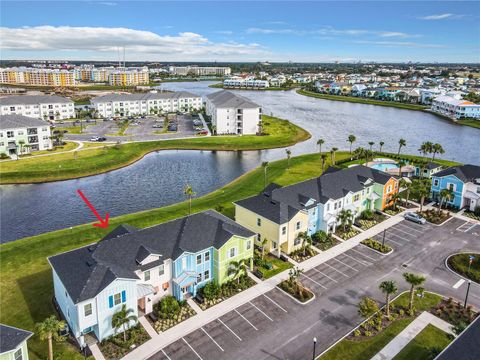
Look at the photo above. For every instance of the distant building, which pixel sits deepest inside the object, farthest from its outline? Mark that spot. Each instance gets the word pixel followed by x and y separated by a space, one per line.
pixel 22 135
pixel 13 343
pixel 46 107
pixel 233 114
pixel 199 70
pixel 247 83
pixel 151 103
pixel 36 76
pixel 129 77
pixel 455 109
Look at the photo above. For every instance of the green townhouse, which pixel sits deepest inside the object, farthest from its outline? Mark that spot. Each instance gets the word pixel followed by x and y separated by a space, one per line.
pixel 137 267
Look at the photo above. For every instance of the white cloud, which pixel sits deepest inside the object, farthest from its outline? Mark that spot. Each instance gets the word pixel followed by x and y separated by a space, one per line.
pixel 399 44
pixel 271 31
pixel 331 31
pixel 441 16
pixel 396 34
pixel 224 32
pixel 139 44
pixel 108 3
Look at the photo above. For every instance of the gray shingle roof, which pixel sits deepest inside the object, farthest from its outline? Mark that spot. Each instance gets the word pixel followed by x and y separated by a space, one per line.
pixel 141 96
pixel 19 121
pixel 11 337
pixel 227 99
pixel 465 346
pixel 466 173
pixel 87 271
pixel 34 99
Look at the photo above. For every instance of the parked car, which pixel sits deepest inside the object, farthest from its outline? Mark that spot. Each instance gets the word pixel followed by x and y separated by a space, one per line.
pixel 95 138
pixel 102 139
pixel 415 218
pixel 135 123
pixel 202 132
pixel 157 126
pixel 172 128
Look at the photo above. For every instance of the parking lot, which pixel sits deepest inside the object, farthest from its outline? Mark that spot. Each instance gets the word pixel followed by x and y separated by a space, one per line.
pixel 469 227
pixel 403 233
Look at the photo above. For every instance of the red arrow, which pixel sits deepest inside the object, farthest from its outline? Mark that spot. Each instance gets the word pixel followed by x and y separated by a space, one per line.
pixel 103 223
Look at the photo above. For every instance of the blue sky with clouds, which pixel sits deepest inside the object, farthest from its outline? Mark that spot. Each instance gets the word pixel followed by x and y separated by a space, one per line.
pixel 242 31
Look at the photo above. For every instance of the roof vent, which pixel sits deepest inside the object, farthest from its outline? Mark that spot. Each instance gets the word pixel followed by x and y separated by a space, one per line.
pixel 90 263
pixel 266 194
pixel 273 202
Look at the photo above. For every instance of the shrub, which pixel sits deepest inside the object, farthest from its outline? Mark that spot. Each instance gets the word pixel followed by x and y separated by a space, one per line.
pixel 211 291
pixel 401 312
pixel 376 245
pixel 367 307
pixel 368 333
pixel 3 156
pixel 367 215
pixel 168 307
pixel 357 333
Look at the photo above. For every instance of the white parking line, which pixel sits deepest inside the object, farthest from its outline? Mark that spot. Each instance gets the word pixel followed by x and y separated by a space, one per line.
pixel 387 239
pixel 368 257
pixel 341 272
pixel 268 317
pixel 461 226
pixel 409 227
pixel 238 337
pixel 211 338
pixel 276 304
pixel 316 282
pixel 190 346
pixel 164 353
pixel 244 318
pixel 470 228
pixel 325 275
pixel 406 232
pixel 361 262
pixel 458 284
pixel 351 267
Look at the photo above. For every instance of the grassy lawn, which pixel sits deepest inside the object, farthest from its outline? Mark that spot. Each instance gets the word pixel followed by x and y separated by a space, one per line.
pixel 72 129
pixel 415 158
pixel 27 294
pixel 365 349
pixel 426 345
pixel 362 100
pixel 470 122
pixel 281 133
pixel 278 266
pixel 459 263
pixel 70 145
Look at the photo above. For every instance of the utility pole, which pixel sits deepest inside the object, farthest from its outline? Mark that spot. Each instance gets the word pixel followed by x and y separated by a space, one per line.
pixel 466 295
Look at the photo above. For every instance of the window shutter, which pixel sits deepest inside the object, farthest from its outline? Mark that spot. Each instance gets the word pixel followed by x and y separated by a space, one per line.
pixel 124 296
pixel 110 301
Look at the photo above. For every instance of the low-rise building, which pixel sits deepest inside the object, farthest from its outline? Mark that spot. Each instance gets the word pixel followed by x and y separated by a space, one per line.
pixel 199 70
pixel 146 104
pixel 137 267
pixel 21 135
pixel 455 108
pixel 13 343
pixel 46 107
pixel 232 113
pixel 246 83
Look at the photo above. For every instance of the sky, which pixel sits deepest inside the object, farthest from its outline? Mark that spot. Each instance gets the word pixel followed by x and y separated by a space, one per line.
pixel 235 31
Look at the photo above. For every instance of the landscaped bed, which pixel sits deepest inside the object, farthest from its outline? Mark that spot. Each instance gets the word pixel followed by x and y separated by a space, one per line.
pixel 435 216
pixel 392 211
pixel 303 254
pixel 376 245
pixel 369 218
pixel 293 287
pixel 269 266
pixel 473 214
pixel 348 234
pixel 324 241
pixel 115 347
pixel 454 313
pixel 459 263
pixel 170 312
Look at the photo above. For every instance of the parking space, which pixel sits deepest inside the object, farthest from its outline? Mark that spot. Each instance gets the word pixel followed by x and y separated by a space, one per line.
pixel 469 227
pixel 403 233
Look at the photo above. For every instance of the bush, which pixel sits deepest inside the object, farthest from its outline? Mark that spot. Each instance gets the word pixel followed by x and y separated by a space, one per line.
pixel 357 333
pixel 368 333
pixel 168 307
pixel 211 291
pixel 367 215
pixel 376 245
pixel 3 156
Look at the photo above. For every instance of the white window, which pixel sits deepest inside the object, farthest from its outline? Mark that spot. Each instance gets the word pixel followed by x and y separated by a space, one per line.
pixel 451 186
pixel 87 309
pixel 199 278
pixel 389 188
pixel 249 245
pixel 184 262
pixel 117 299
pixel 18 355
pixel 199 259
pixel 284 230
pixel 206 275
pixel 146 275
pixel 298 225
pixel 206 256
pixel 232 252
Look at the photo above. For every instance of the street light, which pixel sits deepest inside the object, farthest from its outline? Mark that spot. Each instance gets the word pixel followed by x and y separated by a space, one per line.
pixel 383 240
pixel 314 345
pixel 466 295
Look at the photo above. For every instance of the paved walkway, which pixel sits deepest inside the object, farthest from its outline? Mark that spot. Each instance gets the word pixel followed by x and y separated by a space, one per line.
pixel 159 341
pixel 407 335
pixel 97 354
pixel 147 326
pixel 194 306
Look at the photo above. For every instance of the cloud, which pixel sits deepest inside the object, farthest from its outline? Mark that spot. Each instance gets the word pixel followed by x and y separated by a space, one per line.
pixel 396 34
pixel 108 3
pixel 224 32
pixel 441 16
pixel 399 44
pixel 275 22
pixel 271 31
pixel 107 40
pixel 331 31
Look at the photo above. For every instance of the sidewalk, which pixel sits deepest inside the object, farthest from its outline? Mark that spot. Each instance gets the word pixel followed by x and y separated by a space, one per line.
pixel 159 341
pixel 407 335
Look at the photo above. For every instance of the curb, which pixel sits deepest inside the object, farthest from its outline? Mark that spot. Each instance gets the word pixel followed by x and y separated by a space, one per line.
pixel 454 272
pixel 378 252
pixel 294 298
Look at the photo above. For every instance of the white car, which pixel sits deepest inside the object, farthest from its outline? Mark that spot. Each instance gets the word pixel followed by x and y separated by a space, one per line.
pixel 95 138
pixel 415 218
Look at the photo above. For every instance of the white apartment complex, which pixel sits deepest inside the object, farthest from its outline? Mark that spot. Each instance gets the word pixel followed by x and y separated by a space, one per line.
pixel 454 108
pixel 233 114
pixel 21 134
pixel 241 82
pixel 151 103
pixel 199 70
pixel 46 107
pixel 36 76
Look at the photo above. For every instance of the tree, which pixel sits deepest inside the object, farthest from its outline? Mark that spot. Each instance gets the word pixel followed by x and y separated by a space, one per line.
pixel 371 143
pixel 122 318
pixel 407 185
pixel 401 164
pixel 414 281
pixel 351 139
pixel 401 143
pixel 188 192
pixel 265 167
pixel 320 142
pixel 367 307
pixel 264 244
pixel 293 276
pixel 381 143
pixel 445 196
pixel 237 268
pixel 289 154
pixel 389 288
pixel 359 152
pixel 48 330
pixel 332 154
pixel 324 160
pixel 426 148
pixel 305 239
pixel 437 149
pixel 421 190
pixel 393 199
pixel 346 218
pixel 214 130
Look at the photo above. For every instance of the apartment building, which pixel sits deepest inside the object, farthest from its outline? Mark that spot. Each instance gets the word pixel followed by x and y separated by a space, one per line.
pixel 199 70
pixel 151 103
pixel 137 267
pixel 455 108
pixel 37 76
pixel 247 83
pixel 129 76
pixel 232 113
pixel 46 107
pixel 21 135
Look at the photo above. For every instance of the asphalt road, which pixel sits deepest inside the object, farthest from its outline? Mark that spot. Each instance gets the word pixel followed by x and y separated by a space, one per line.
pixel 273 326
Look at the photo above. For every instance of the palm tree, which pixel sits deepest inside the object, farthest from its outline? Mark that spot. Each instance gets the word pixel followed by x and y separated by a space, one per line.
pixel 422 191
pixel 371 143
pixel 359 152
pixel 293 276
pixel 265 166
pixel 237 268
pixel 264 244
pixel 289 154
pixel 303 236
pixel 122 318
pixel 414 281
pixel 388 287
pixel 345 217
pixel 437 149
pixel 320 142
pixel 426 148
pixel 393 199
pixel 401 164
pixel 381 143
pixel 446 195
pixel 48 330
pixel 332 154
pixel 351 139
pixel 188 192
pixel 407 185
pixel 401 143
pixel 324 160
